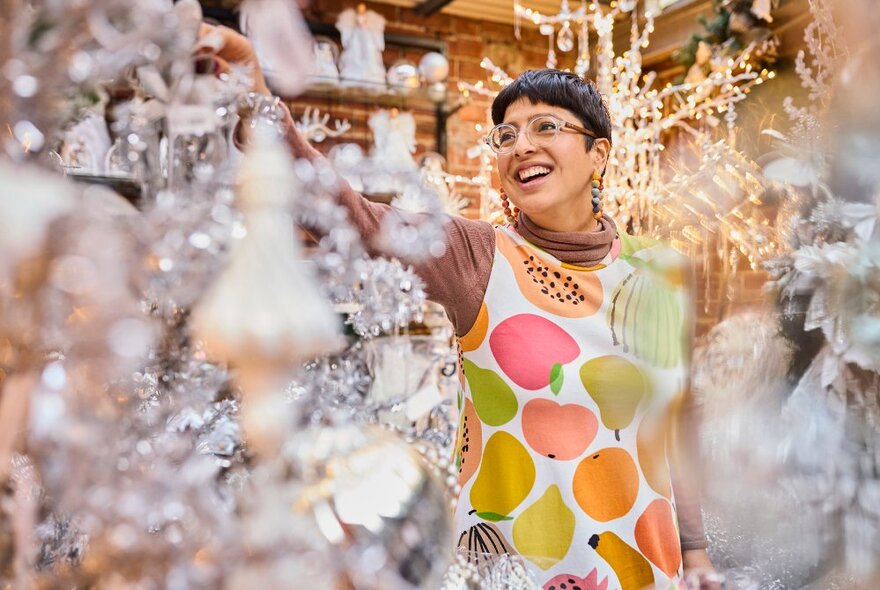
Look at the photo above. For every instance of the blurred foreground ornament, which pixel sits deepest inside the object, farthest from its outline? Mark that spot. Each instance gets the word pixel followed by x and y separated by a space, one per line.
pixel 282 42
pixel 29 200
pixel 740 384
pixel 265 313
pixel 491 572
pixel 248 314
pixel 376 502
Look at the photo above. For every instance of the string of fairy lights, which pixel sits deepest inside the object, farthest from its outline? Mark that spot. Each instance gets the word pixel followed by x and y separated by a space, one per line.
pixel 646 117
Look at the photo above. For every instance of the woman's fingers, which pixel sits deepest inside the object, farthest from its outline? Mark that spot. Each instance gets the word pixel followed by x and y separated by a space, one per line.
pixel 230 47
pixel 221 66
pixel 703 580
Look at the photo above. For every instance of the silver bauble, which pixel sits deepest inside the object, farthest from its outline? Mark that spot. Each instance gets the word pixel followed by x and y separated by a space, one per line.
pixel 403 74
pixel 434 67
pixel 377 503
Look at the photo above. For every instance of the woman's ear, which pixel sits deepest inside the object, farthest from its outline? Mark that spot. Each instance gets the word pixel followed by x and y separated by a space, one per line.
pixel 600 152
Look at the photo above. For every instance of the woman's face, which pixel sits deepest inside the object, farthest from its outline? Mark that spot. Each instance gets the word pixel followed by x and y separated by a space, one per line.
pixel 558 198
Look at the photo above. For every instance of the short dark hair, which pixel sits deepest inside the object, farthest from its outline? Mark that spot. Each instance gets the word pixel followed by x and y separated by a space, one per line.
pixel 559 89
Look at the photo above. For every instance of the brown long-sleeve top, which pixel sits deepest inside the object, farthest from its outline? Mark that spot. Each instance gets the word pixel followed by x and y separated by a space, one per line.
pixel 458 281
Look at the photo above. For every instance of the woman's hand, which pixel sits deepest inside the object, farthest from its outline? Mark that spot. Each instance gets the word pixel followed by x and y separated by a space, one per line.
pixel 235 49
pixel 699 573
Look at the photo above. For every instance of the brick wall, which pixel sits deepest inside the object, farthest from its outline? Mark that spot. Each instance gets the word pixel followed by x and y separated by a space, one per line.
pixel 468 41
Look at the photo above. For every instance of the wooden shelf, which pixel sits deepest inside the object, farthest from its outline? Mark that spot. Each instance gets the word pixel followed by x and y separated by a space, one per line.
pixel 128 188
pixel 380 95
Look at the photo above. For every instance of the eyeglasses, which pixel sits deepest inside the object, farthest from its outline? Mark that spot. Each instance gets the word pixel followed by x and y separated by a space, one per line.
pixel 540 130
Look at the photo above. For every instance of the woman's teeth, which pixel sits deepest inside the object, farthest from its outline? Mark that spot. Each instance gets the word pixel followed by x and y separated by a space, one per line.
pixel 529 173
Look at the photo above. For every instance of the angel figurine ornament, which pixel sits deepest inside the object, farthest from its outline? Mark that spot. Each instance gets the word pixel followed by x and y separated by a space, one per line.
pixel 363 41
pixel 324 70
pixel 394 137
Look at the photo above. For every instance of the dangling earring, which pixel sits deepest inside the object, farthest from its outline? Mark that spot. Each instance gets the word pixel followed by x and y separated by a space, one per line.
pixel 512 216
pixel 598 186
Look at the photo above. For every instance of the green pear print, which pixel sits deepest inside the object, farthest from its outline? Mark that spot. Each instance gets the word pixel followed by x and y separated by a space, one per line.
pixel 617 386
pixel 493 398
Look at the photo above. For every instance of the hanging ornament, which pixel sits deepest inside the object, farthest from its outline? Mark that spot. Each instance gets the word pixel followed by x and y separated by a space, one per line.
pixel 546 29
pixel 266 304
pixel 565 39
pixel 265 313
pixel 627 5
pixel 582 65
pixel 551 53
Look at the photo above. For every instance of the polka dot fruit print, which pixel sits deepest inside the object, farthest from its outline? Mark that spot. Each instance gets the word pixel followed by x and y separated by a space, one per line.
pixel 507 474
pixel 561 451
pixel 651 447
pixel 543 532
pixel 561 432
pixel 606 484
pixel 645 317
pixel 470 443
pixel 531 350
pixel 563 292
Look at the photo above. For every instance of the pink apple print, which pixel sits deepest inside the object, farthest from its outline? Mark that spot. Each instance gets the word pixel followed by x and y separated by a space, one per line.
pixel 531 350
pixel 561 432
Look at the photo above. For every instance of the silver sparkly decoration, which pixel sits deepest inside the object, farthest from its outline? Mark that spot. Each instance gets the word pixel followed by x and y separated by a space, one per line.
pixel 141 475
pixel 376 502
pixel 389 297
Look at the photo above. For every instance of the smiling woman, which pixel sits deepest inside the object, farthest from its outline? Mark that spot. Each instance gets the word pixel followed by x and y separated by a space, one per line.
pixel 573 343
pixel 548 169
pixel 575 321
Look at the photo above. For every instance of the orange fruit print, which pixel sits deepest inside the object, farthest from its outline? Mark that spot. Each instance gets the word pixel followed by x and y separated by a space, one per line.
pixel 651 445
pixel 550 287
pixel 657 538
pixel 477 333
pixel 606 484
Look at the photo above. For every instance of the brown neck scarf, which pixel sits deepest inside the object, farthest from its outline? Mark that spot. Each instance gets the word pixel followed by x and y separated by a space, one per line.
pixel 579 248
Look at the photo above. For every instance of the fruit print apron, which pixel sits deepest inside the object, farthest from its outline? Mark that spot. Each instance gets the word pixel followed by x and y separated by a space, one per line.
pixel 570 380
